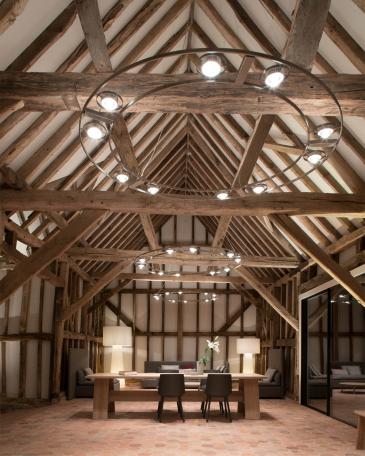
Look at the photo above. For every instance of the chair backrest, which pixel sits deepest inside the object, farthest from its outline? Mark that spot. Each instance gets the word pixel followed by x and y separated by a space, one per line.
pixel 171 385
pixel 219 384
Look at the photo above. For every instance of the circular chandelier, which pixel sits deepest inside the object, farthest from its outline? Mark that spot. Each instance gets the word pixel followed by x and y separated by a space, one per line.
pixel 175 296
pixel 219 260
pixel 97 124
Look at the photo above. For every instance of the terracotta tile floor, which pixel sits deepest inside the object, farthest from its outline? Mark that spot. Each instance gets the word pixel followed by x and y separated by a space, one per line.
pixel 67 429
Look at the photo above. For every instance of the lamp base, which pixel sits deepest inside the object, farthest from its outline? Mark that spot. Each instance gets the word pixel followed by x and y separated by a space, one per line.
pixel 248 363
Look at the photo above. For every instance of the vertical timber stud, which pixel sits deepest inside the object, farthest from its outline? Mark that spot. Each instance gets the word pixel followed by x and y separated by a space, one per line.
pixel 61 301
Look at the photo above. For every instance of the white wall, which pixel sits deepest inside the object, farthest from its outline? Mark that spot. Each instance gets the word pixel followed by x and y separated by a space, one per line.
pixel 9 364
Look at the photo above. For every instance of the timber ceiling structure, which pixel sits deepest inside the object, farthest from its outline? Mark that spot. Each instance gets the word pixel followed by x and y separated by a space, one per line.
pixel 48 194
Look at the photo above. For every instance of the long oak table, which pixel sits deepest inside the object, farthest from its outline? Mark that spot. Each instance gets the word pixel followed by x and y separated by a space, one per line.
pixel 247 395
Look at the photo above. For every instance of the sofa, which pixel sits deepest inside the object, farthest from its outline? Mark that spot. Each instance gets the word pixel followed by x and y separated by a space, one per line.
pixel 341 371
pixel 273 386
pixel 165 367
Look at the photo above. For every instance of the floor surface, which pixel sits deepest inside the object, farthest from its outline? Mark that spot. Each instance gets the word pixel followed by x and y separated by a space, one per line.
pixel 66 429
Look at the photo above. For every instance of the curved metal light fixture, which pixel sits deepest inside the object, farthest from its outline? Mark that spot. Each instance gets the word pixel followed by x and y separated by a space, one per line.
pixel 220 261
pixel 104 105
pixel 175 296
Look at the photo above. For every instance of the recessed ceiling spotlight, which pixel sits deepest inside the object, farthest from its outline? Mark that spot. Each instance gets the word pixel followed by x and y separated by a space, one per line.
pixel 237 260
pixel 156 297
pixel 211 65
pixel 315 157
pixel 160 273
pixel 205 294
pixel 177 274
pixel 193 249
pixel 179 292
pixel 230 254
pixel 153 189
pixel 185 301
pixel 169 250
pixel 173 300
pixel 109 101
pixel 206 300
pixel 324 131
pixel 212 272
pixel 140 266
pixel 275 75
pixel 227 269
pixel 95 130
pixel 122 177
pixel 222 195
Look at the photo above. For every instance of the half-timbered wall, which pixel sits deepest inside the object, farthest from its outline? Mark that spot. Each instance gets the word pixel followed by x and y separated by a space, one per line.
pixel 173 333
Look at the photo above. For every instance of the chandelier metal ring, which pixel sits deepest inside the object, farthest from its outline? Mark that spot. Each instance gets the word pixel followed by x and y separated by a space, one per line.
pixel 218 260
pixel 141 182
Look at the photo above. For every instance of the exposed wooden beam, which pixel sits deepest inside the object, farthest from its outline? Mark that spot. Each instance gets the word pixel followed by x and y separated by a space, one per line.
pixel 89 14
pixel 265 293
pixel 123 143
pixel 113 255
pixel 48 252
pixel 343 277
pixel 306 31
pixel 291 203
pixel 44 92
pixel 108 277
pixel 9 11
pixel 184 278
pixel 187 291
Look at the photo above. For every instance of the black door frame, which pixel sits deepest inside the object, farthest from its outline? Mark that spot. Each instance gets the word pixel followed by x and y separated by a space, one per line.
pixel 304 399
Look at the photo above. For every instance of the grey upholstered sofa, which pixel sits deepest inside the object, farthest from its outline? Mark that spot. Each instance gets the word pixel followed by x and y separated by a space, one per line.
pixel 317 381
pixel 165 366
pixel 273 387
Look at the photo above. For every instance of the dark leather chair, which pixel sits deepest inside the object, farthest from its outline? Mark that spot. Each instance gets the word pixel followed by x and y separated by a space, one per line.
pixel 171 385
pixel 218 388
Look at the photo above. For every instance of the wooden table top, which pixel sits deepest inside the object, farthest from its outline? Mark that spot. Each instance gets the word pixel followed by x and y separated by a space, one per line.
pixel 156 375
pixel 352 383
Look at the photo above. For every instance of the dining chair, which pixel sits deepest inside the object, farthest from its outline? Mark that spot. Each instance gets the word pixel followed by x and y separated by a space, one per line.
pixel 218 388
pixel 171 385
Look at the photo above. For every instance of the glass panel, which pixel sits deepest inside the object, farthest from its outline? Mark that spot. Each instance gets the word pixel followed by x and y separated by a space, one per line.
pixel 348 355
pixel 317 355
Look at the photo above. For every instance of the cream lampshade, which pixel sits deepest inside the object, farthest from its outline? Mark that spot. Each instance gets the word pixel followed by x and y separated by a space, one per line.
pixel 116 337
pixel 248 346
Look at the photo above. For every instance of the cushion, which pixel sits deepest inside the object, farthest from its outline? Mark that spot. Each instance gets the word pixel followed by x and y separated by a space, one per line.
pixel 169 367
pixel 342 372
pixel 81 376
pixel 88 371
pixel 188 366
pixel 169 371
pixel 352 370
pixel 269 375
pixel 315 372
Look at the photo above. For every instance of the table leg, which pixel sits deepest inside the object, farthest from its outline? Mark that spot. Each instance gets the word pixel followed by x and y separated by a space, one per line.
pixel 101 399
pixel 360 442
pixel 240 404
pixel 251 399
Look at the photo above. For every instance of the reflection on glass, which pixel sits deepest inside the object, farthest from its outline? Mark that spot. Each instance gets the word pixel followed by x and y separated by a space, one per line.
pixel 335 353
pixel 317 352
pixel 348 356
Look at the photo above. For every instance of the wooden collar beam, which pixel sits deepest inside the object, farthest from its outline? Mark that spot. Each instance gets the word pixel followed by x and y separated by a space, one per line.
pixel 46 92
pixel 290 203
pixel 114 255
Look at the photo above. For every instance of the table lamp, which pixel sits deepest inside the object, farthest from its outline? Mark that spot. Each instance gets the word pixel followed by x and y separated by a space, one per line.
pixel 248 346
pixel 117 337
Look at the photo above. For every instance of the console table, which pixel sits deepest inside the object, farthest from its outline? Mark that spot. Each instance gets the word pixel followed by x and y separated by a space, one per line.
pixel 105 397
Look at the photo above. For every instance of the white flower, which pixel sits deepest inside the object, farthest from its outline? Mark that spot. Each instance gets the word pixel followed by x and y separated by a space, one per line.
pixel 214 345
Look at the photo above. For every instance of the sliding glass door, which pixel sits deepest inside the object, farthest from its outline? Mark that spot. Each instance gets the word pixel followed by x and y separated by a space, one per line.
pixel 333 353
pixel 316 345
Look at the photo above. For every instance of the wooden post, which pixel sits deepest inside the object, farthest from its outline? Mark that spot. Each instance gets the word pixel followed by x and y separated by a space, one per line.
pixel 61 301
